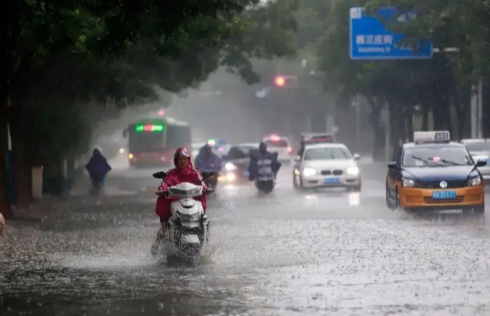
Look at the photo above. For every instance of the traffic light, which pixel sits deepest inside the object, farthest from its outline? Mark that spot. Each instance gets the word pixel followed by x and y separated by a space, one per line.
pixel 280 81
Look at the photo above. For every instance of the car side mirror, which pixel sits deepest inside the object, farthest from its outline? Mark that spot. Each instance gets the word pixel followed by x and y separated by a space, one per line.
pixel 393 165
pixel 297 159
pixel 481 163
pixel 160 175
pixel 357 157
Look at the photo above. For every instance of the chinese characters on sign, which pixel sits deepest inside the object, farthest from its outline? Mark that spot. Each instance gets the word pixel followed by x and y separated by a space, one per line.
pixel 374 40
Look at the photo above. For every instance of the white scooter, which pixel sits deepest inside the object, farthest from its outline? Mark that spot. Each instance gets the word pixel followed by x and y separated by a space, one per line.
pixel 189 227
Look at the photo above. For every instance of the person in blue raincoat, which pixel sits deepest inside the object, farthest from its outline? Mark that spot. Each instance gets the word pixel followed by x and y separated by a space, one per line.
pixel 206 160
pixel 98 167
pixel 263 164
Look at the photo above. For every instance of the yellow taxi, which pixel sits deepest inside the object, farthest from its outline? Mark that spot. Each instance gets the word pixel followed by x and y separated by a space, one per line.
pixel 433 173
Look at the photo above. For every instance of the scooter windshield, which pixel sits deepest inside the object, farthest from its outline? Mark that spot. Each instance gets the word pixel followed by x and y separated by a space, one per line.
pixel 185 190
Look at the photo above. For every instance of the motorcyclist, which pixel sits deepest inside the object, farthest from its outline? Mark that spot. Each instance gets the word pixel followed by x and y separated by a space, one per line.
pixel 206 160
pixel 97 167
pixel 183 172
pixel 263 163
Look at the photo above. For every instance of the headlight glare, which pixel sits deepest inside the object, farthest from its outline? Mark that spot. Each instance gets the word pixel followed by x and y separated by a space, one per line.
pixel 229 166
pixel 353 171
pixel 308 172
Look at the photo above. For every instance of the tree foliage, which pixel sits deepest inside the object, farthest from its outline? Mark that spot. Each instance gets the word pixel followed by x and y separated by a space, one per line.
pixel 437 85
pixel 59 56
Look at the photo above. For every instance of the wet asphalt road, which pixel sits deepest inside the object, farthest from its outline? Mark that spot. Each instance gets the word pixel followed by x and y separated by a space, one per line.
pixel 317 253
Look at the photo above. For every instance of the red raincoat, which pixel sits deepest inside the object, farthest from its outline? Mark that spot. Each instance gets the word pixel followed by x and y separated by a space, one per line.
pixel 174 177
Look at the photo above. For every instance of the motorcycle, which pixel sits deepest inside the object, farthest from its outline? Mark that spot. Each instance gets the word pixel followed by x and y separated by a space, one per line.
pixel 97 185
pixel 211 182
pixel 266 183
pixel 189 226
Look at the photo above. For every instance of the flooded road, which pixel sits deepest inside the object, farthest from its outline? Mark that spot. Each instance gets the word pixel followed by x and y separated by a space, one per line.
pixel 291 253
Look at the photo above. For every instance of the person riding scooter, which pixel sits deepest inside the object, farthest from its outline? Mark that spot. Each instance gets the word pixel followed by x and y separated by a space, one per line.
pixel 183 172
pixel 206 160
pixel 98 168
pixel 264 167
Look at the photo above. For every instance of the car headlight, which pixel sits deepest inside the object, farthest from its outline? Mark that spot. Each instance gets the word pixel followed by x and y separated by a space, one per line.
pixel 307 172
pixel 474 181
pixel 408 183
pixel 354 171
pixel 230 167
pixel 230 177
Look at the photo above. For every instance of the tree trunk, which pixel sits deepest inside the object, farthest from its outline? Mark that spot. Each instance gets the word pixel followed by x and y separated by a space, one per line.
pixel 409 122
pixel 5 208
pixel 425 116
pixel 20 157
pixel 397 131
pixel 378 129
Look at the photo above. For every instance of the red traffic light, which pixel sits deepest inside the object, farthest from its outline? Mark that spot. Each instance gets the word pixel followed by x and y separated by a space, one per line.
pixel 280 81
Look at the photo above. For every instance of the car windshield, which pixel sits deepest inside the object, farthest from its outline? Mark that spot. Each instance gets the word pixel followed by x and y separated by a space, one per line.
pixel 276 143
pixel 239 152
pixel 436 156
pixel 327 153
pixel 478 146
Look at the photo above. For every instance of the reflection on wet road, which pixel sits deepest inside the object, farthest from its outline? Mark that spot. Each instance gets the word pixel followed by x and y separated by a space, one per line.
pixel 290 253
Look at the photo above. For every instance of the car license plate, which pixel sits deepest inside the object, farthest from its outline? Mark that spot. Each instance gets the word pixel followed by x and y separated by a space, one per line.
pixel 246 173
pixel 331 180
pixel 443 195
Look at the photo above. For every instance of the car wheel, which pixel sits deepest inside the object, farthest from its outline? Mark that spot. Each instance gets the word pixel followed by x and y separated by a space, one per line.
pixel 357 188
pixel 392 205
pixel 295 184
pixel 397 200
pixel 480 209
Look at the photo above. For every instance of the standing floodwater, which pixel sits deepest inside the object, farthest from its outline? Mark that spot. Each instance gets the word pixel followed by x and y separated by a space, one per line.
pixel 289 253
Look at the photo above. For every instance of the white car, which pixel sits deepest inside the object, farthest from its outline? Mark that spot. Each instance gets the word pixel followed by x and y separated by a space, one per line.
pixel 327 166
pixel 279 145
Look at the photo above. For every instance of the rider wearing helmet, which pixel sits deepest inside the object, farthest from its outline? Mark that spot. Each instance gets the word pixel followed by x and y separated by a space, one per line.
pixel 183 172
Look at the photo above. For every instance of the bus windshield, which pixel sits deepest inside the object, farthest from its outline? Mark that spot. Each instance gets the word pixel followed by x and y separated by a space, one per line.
pixel 146 141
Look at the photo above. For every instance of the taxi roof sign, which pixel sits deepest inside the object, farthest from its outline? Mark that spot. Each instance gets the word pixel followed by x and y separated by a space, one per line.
pixel 431 137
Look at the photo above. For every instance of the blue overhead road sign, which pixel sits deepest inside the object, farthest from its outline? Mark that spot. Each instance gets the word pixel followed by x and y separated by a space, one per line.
pixel 370 38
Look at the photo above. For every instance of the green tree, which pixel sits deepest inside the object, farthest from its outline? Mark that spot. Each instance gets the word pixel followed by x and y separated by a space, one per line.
pixel 113 51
